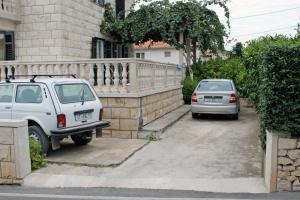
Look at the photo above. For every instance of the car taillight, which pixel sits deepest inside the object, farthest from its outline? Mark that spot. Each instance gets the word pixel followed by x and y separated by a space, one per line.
pixel 233 98
pixel 194 97
pixel 61 121
pixel 101 114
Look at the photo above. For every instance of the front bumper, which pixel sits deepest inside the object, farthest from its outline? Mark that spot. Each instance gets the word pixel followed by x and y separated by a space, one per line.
pixel 211 109
pixel 80 129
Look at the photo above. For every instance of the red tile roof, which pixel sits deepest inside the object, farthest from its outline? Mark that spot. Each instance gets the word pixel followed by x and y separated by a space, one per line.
pixel 151 44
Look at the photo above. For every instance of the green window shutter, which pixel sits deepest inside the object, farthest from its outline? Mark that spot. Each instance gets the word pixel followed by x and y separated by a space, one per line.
pixel 9 46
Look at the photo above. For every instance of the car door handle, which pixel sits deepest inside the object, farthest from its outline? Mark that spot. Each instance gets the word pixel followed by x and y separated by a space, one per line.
pixel 7 107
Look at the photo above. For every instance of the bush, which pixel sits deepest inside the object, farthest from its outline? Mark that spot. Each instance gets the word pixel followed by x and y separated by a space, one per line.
pixel 37 156
pixel 188 89
pixel 273 82
pixel 232 68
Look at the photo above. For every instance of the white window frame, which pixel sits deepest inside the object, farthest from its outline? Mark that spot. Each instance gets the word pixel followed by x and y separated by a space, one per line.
pixel 140 55
pixel 168 54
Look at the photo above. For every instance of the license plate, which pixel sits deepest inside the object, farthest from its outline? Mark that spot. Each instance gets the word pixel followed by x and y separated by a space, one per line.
pixel 213 99
pixel 83 116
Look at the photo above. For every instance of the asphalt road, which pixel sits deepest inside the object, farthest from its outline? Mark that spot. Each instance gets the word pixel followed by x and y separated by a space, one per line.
pixel 21 193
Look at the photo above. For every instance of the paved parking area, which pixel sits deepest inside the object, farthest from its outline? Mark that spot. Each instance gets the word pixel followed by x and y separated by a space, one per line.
pixel 101 152
pixel 212 154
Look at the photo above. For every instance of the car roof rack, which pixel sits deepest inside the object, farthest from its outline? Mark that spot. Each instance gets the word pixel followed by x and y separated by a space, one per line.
pixel 32 80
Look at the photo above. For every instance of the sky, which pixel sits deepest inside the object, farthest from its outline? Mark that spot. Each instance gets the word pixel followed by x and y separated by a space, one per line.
pixel 272 17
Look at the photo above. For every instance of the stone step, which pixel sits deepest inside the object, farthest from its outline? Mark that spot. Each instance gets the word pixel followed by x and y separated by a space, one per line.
pixel 158 126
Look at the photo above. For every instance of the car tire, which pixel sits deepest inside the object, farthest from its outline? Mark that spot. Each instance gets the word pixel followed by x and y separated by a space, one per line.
pixel 195 115
pixel 35 132
pixel 235 116
pixel 82 139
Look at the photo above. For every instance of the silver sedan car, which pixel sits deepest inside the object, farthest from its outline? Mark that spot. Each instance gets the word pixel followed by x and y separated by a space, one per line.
pixel 215 96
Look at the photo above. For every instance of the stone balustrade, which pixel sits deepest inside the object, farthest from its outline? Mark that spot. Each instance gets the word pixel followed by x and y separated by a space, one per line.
pixel 110 77
pixel 9 9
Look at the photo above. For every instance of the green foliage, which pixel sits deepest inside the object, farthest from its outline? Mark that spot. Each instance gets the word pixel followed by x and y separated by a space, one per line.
pixel 237 50
pixel 165 21
pixel 188 89
pixel 231 68
pixel 36 154
pixel 272 82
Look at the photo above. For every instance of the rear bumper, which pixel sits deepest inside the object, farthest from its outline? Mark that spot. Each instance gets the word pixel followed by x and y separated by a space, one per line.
pixel 210 109
pixel 80 129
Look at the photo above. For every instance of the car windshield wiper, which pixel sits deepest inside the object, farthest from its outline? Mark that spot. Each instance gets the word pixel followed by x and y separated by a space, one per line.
pixel 82 97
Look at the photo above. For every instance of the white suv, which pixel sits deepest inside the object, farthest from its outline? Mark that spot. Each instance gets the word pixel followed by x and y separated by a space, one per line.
pixel 54 107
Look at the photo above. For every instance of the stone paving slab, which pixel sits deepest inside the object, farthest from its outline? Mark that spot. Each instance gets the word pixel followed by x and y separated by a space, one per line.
pixel 101 152
pixel 158 126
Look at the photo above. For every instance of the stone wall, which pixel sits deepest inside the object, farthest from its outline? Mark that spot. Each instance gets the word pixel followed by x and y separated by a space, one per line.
pixel 288 175
pixel 282 164
pixel 128 114
pixel 58 30
pixel 14 151
pixel 157 105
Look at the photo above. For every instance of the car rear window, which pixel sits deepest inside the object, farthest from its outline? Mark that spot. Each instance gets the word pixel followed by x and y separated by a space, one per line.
pixel 6 92
pixel 73 93
pixel 215 86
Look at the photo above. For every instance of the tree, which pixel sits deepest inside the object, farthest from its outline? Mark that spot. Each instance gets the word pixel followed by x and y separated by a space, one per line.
pixel 187 25
pixel 237 50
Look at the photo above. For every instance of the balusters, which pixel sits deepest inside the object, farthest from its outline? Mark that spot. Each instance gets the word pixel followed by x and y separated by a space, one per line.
pixel 124 78
pixel 116 77
pixel 91 74
pixel 100 76
pixel 82 71
pixel 65 69
pixel 107 77
pixel 29 69
pixel 2 72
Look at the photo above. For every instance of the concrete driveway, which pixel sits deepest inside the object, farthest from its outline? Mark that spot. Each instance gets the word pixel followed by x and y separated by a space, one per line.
pixel 207 154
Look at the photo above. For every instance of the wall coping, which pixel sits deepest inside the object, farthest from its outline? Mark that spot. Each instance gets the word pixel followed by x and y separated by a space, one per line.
pixel 281 134
pixel 13 123
pixel 138 95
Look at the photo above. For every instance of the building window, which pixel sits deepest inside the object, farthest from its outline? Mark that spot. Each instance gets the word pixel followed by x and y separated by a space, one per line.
pixel 7 46
pixel 99 2
pixel 106 49
pixel 140 55
pixel 2 47
pixel 167 54
pixel 120 8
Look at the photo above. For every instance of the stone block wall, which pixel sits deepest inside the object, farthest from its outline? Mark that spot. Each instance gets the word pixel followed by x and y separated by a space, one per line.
pixel 282 163
pixel 14 151
pixel 288 160
pixel 157 105
pixel 58 29
pixel 127 115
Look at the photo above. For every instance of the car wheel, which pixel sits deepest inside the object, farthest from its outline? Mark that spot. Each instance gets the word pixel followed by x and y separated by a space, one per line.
pixel 82 139
pixel 195 115
pixel 36 133
pixel 235 116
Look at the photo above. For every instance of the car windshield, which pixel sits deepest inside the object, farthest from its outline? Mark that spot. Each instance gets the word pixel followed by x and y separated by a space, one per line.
pixel 215 86
pixel 73 93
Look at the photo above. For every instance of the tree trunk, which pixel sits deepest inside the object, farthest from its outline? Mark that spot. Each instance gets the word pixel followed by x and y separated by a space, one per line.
pixel 188 58
pixel 194 51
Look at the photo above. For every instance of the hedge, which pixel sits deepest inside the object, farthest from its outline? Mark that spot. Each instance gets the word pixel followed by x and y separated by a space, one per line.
pixel 279 104
pixel 273 83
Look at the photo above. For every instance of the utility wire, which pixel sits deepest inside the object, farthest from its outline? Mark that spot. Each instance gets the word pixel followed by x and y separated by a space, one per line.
pixel 266 13
pixel 282 28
